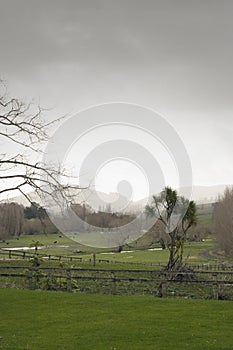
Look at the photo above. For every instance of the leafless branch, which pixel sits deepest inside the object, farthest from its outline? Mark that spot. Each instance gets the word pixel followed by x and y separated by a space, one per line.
pixel 23 125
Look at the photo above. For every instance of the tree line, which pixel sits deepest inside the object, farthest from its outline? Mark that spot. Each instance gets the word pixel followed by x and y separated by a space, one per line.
pixel 16 219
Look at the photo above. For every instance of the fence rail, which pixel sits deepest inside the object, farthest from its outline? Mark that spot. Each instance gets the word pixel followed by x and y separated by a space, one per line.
pixel 29 255
pixel 24 255
pixel 199 284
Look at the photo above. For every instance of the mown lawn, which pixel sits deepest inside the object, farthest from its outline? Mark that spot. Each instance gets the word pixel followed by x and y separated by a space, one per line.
pixel 39 320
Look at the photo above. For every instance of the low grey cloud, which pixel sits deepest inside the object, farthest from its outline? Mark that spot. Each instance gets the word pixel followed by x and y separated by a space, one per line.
pixel 172 55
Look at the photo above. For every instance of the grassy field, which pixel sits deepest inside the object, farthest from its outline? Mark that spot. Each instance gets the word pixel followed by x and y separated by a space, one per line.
pixel 26 240
pixel 59 244
pixel 205 214
pixel 204 217
pixel 38 320
pixel 194 253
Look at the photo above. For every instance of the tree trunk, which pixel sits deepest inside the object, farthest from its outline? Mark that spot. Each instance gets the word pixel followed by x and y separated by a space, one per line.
pixel 171 261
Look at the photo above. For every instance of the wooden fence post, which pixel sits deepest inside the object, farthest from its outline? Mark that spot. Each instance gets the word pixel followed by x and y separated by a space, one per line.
pixel 94 259
pixel 160 290
pixel 68 280
pixel 30 282
pixel 215 286
pixel 113 283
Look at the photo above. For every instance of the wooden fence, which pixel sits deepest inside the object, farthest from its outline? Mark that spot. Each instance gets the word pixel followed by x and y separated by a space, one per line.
pixel 11 254
pixel 25 255
pixel 199 284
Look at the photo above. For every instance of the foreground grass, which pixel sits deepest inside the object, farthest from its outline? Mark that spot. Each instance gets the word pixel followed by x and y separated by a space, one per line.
pixel 38 320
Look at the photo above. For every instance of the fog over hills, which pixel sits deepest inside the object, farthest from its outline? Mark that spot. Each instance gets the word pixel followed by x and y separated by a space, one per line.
pixel 200 194
pixel 207 194
pixel 117 202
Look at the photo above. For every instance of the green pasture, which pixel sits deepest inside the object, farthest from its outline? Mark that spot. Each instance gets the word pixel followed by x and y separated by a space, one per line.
pixel 205 219
pixel 39 320
pixel 44 239
pixel 59 244
pixel 192 253
pixel 55 244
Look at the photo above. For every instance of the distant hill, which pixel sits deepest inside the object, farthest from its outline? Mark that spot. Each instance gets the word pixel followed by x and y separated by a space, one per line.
pixel 200 194
pixel 97 200
pixel 115 202
pixel 207 194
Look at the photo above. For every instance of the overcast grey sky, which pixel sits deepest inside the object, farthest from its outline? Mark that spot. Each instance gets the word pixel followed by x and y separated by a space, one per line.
pixel 175 56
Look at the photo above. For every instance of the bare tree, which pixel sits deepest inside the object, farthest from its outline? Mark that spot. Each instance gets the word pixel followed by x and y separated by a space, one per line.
pixel 223 221
pixel 23 132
